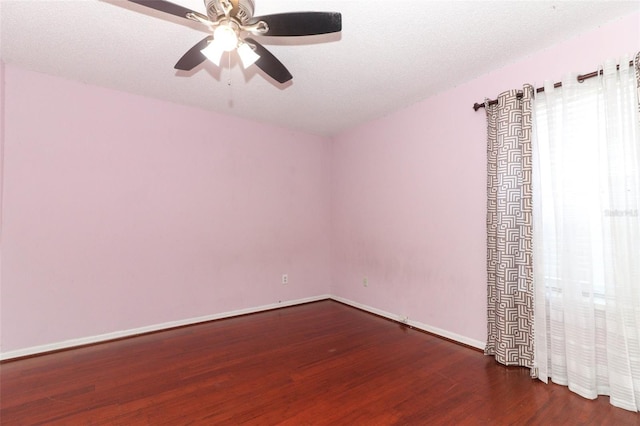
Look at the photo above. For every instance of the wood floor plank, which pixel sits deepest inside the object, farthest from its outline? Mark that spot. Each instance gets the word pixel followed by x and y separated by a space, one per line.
pixel 323 363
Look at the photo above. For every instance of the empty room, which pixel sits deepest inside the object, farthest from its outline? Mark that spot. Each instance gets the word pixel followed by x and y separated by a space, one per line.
pixel 319 212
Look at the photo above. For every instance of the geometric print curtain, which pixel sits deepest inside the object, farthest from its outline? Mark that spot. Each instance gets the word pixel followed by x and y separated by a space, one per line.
pixel 636 66
pixel 509 229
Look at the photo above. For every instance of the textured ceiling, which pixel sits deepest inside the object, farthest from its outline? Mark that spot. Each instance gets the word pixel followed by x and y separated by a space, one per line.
pixel 390 53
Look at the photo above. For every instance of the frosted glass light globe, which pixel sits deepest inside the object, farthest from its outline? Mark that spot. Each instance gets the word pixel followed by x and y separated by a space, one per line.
pixel 225 37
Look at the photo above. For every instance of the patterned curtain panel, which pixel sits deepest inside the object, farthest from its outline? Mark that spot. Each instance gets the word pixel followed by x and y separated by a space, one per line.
pixel 636 63
pixel 509 229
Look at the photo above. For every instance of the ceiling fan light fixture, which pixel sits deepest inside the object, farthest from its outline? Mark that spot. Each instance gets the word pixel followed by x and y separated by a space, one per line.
pixel 226 37
pixel 213 52
pixel 247 55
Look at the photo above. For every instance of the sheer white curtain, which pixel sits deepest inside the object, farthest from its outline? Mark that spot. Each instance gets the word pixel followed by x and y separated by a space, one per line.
pixel 587 235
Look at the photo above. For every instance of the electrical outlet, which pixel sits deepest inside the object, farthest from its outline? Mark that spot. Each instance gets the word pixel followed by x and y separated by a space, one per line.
pixel 365 282
pixel 285 279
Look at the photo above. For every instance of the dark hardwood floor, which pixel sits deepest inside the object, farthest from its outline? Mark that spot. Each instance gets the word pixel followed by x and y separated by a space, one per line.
pixel 316 364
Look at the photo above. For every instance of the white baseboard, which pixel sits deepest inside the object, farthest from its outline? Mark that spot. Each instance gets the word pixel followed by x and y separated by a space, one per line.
pixel 67 344
pixel 415 324
pixel 34 350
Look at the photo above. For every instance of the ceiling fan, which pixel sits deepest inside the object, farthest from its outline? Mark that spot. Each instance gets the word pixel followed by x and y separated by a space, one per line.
pixel 230 20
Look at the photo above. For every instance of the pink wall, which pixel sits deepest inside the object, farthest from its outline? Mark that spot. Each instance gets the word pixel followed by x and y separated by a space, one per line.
pixel 408 208
pixel 122 212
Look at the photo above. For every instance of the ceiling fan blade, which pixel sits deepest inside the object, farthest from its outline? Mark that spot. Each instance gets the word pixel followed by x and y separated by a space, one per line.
pixel 270 64
pixel 194 56
pixel 167 7
pixel 301 23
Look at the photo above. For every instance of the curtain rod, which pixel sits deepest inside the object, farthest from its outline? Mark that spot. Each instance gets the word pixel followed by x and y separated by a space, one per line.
pixel 580 79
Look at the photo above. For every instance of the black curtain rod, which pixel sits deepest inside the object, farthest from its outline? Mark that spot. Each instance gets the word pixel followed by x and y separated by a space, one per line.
pixel 580 78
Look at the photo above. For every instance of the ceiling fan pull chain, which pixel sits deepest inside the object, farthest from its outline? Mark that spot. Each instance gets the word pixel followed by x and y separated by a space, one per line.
pixel 229 68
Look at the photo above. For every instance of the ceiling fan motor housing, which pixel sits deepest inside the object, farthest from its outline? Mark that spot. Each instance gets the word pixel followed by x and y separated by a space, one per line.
pixel 242 9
